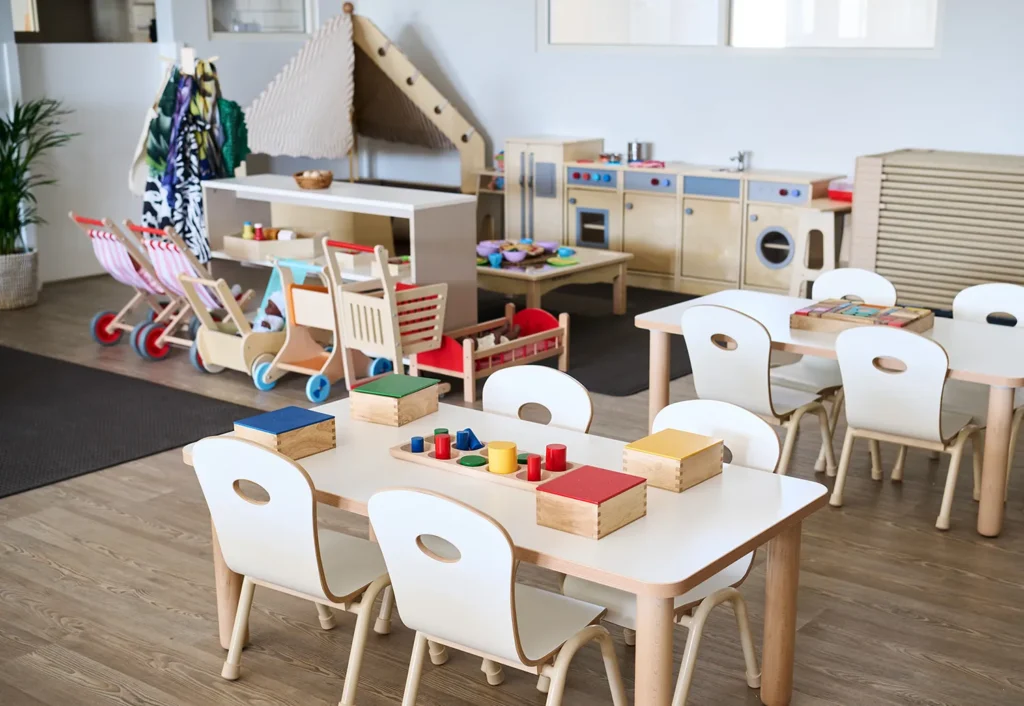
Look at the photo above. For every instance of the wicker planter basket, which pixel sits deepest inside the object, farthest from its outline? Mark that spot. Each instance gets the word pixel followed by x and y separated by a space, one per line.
pixel 19 280
pixel 321 181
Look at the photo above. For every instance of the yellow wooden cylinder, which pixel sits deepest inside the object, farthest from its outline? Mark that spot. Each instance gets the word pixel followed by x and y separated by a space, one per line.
pixel 501 457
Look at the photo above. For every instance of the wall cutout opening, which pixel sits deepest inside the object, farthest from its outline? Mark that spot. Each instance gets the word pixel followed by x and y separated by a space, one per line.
pixel 726 454
pixel 438 548
pixel 533 412
pixel 251 492
pixel 1001 318
pixel 815 249
pixel 723 342
pixel 886 364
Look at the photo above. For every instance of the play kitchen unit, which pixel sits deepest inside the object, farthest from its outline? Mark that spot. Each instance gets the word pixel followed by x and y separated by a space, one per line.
pixel 690 228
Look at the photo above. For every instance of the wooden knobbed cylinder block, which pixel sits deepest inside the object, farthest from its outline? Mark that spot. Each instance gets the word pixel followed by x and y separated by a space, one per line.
pixel 673 459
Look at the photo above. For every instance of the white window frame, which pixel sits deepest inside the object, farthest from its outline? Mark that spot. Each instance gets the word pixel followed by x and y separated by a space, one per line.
pixel 312 22
pixel 723 48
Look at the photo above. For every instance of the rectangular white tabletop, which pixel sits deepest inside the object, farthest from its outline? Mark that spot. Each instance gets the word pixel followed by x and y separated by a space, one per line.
pixel 684 538
pixel 373 199
pixel 982 353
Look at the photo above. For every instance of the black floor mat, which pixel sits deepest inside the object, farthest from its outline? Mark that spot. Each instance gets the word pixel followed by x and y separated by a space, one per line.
pixel 59 420
pixel 608 354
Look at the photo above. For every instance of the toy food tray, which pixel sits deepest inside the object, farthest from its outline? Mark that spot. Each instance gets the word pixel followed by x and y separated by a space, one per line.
pixel 834 315
pixel 305 247
pixel 515 480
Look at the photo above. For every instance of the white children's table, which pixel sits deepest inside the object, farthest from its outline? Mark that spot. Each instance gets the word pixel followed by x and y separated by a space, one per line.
pixel 684 539
pixel 537 280
pixel 981 353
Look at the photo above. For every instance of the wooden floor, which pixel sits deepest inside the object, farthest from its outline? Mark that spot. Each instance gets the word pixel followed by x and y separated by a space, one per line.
pixel 106 587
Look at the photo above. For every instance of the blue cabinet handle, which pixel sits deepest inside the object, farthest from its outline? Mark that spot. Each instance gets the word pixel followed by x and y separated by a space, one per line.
pixel 688 211
pixel 629 207
pixel 572 201
pixel 753 218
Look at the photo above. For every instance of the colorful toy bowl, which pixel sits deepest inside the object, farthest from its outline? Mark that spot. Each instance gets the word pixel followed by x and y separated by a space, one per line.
pixel 548 245
pixel 566 252
pixel 486 248
pixel 495 259
pixel 514 255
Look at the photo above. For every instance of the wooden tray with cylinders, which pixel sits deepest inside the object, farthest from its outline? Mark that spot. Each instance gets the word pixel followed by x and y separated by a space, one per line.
pixel 515 480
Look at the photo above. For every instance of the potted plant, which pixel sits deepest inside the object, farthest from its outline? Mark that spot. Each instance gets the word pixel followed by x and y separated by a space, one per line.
pixel 31 130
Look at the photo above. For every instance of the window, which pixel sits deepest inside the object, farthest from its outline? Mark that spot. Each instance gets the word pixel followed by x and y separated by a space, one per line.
pixel 260 16
pixel 889 24
pixel 748 24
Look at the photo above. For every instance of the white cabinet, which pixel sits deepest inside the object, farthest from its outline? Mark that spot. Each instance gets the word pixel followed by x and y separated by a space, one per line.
pixel 535 184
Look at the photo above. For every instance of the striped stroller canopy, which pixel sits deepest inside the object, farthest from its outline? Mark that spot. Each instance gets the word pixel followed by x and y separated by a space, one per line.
pixel 115 258
pixel 170 263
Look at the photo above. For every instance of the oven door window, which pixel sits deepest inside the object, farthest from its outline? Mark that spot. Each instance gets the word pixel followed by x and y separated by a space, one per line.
pixel 592 227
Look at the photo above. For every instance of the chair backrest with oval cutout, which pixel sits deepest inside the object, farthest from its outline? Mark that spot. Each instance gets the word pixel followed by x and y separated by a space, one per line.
pixel 854 283
pixel 1001 299
pixel 752 441
pixel 466 597
pixel 271 540
pixel 893 381
pixel 506 391
pixel 729 353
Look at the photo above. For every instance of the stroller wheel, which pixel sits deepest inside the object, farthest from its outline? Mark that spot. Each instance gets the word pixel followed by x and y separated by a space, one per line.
pixel 151 316
pixel 98 329
pixel 197 360
pixel 379 366
pixel 134 337
pixel 147 342
pixel 318 388
pixel 259 377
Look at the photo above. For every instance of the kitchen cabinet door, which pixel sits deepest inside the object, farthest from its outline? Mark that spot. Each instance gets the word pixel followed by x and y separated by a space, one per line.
pixel 651 232
pixel 711 239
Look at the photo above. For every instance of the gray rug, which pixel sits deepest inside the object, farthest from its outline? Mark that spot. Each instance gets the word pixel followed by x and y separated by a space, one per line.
pixel 607 353
pixel 59 420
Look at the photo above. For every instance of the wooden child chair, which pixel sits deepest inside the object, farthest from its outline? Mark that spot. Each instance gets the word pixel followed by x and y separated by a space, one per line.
pixel 979 304
pixel 275 543
pixel 753 444
pixel 468 599
pixel 821 375
pixel 894 381
pixel 508 390
pixel 730 355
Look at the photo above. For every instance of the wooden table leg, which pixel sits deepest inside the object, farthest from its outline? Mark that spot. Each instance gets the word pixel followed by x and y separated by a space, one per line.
pixel 619 292
pixel 653 651
pixel 658 377
pixel 993 472
pixel 229 587
pixel 532 296
pixel 781 584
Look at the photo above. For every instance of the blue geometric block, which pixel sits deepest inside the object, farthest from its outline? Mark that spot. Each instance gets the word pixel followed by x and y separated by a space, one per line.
pixel 284 420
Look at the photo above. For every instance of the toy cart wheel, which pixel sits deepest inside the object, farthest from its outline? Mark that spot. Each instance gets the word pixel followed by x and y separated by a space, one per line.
pixel 193 327
pixel 318 388
pixel 259 376
pixel 147 342
pixel 133 338
pixel 379 366
pixel 198 363
pixel 98 329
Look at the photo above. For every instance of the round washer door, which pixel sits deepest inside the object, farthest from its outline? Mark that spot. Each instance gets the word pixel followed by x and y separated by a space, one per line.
pixel 775 247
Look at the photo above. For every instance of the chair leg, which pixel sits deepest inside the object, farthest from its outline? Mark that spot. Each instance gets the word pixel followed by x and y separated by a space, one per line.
pixel 326 616
pixel 876 460
pixel 901 459
pixel 438 654
pixel 826 440
pixel 954 467
pixel 739 609
pixel 495 674
pixel 238 632
pixel 696 630
pixel 1018 417
pixel 362 631
pixel 792 427
pixel 629 636
pixel 979 444
pixel 833 418
pixel 844 465
pixel 557 672
pixel 412 680
pixel 543 684
pixel 387 603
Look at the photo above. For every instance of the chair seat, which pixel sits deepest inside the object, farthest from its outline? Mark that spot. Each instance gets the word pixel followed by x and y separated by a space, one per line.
pixel 622 605
pixel 950 423
pixel 350 564
pixel 785 399
pixel 809 374
pixel 546 620
pixel 972 398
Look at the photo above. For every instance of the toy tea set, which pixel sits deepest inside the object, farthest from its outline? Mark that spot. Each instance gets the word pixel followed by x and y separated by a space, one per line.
pixel 522 254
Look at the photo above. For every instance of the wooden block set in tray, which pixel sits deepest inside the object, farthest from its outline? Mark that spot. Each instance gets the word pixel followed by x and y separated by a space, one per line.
pixel 834 315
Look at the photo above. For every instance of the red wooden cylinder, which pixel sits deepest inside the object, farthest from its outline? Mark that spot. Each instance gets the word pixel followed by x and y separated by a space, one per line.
pixel 533 468
pixel 555 459
pixel 442 446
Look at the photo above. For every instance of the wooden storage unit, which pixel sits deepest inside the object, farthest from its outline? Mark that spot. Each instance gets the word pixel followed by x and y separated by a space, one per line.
pixel 712 231
pixel 535 184
pixel 652 232
pixel 934 222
